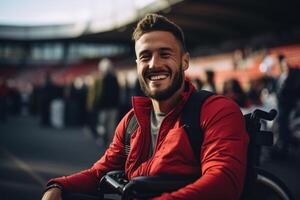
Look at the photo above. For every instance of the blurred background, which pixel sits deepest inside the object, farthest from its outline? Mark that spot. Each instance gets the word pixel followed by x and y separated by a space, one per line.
pixel 67 73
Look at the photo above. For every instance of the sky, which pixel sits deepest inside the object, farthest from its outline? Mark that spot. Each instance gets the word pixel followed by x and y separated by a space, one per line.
pixel 56 12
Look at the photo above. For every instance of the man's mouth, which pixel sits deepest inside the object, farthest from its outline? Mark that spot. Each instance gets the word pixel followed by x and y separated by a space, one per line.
pixel 157 76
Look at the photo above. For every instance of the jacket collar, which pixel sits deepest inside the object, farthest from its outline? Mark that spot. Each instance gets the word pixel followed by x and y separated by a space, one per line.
pixel 142 106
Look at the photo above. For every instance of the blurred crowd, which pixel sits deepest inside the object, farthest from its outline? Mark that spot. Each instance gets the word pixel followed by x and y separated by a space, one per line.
pixel 98 102
pixel 268 92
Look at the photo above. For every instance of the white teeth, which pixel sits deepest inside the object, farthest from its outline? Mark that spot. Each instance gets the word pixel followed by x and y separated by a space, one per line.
pixel 158 77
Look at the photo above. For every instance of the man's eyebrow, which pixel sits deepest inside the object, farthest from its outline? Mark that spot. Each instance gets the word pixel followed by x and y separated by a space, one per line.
pixel 165 49
pixel 144 52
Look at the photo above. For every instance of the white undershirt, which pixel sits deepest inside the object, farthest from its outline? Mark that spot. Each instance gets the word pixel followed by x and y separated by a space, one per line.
pixel 156 119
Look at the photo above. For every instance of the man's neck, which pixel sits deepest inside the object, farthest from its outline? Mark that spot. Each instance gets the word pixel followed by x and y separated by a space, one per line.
pixel 167 105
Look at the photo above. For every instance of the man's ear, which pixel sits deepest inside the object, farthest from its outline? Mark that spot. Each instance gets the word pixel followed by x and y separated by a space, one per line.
pixel 185 60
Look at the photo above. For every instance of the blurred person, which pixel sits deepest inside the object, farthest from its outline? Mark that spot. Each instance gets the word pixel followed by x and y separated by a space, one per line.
pixel 268 92
pixel 209 83
pixel 233 89
pixel 34 99
pixel 267 67
pixel 198 84
pixel 81 89
pixel 91 112
pixel 93 94
pixel 108 101
pixel 284 69
pixel 75 97
pixel 26 93
pixel 90 97
pixel 126 92
pixel 3 100
pixel 13 98
pixel 288 97
pixel 254 92
pixel 238 59
pixel 47 93
pixel 160 145
pixel 267 63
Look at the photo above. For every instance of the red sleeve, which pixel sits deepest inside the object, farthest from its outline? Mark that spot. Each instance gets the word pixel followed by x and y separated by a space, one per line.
pixel 114 159
pixel 223 154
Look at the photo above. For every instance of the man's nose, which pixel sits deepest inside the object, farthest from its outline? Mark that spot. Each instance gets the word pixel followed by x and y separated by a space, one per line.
pixel 155 61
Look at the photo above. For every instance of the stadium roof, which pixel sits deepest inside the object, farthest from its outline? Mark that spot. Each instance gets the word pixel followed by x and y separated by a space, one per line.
pixel 34 19
pixel 205 22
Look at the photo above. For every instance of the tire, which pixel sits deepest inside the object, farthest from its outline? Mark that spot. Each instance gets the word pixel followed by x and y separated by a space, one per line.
pixel 269 187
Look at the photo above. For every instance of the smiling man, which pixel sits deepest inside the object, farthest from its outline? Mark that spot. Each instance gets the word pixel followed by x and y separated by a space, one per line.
pixel 160 145
pixel 160 64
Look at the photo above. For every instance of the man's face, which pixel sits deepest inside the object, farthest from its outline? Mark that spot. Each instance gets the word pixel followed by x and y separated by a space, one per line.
pixel 160 64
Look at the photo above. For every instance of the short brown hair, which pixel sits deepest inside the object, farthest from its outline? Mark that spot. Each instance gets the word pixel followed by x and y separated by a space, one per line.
pixel 155 22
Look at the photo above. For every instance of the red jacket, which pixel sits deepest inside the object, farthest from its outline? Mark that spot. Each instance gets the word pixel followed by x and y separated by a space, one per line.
pixel 223 152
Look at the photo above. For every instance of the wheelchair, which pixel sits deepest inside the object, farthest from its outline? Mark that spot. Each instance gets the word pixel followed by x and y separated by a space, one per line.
pixel 259 184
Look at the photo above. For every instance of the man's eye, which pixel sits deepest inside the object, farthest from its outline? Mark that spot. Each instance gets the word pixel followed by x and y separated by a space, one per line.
pixel 165 55
pixel 144 57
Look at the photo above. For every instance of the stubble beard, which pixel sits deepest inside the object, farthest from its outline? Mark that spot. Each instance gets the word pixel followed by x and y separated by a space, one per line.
pixel 167 93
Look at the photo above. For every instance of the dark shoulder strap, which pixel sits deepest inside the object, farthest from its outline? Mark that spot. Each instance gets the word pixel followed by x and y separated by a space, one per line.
pixel 131 127
pixel 190 118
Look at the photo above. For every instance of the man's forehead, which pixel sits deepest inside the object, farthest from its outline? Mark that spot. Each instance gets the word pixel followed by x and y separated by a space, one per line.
pixel 156 40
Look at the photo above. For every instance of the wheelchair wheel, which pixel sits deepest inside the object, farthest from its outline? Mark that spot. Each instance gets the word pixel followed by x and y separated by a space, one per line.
pixel 269 187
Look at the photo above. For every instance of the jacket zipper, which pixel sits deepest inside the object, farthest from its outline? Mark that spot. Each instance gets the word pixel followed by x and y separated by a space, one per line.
pixel 155 148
